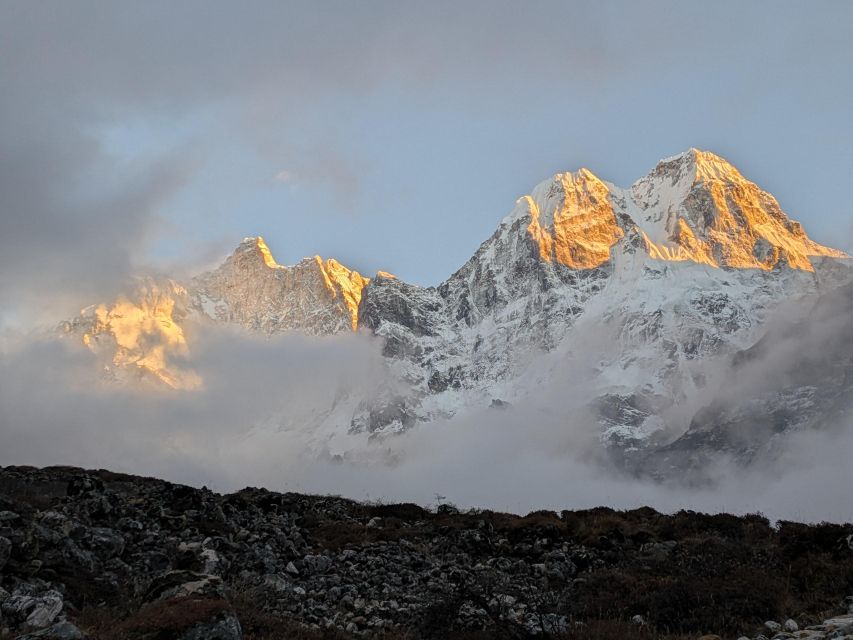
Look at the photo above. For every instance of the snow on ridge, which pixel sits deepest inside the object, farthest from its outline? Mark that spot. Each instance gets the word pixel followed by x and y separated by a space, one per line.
pixel 574 258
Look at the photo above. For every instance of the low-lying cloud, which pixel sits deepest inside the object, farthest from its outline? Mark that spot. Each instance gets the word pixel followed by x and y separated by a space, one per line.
pixel 254 423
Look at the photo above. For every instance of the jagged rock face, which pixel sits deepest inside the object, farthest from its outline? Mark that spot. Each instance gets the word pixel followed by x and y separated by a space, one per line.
pixel 315 296
pixel 679 269
pixel 142 335
pixel 572 220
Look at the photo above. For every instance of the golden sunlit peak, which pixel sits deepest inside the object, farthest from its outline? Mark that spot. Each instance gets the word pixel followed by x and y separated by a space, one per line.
pixel 705 166
pixel 256 243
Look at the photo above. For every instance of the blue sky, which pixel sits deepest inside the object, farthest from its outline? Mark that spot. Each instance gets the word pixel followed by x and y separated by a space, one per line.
pixel 390 136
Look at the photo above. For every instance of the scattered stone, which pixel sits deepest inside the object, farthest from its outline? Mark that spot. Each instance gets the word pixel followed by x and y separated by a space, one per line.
pixel 331 565
pixel 223 627
pixel 5 551
pixel 185 584
pixel 790 626
pixel 59 631
pixel 44 610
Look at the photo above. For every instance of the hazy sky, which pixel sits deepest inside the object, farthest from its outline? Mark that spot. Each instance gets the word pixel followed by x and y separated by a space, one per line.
pixel 390 135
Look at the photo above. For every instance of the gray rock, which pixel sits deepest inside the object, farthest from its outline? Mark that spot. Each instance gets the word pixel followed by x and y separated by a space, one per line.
pixel 222 627
pixel 277 583
pixel 18 606
pixel 182 584
pixel 5 551
pixel 790 626
pixel 554 624
pixel 773 626
pixel 45 610
pixel 212 562
pixel 106 543
pixel 59 631
pixel 317 564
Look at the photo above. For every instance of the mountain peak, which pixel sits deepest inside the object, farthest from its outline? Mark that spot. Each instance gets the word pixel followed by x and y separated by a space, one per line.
pixel 572 219
pixel 697 206
pixel 696 165
pixel 255 245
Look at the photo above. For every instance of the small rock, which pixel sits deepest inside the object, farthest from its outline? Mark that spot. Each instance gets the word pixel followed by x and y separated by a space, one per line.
pixel 5 551
pixel 773 626
pixel 374 523
pixel 59 631
pixel 212 562
pixel 276 583
pixel 107 543
pixel 638 619
pixel 554 624
pixel 181 584
pixel 317 564
pixel 46 609
pixel 790 626
pixel 222 627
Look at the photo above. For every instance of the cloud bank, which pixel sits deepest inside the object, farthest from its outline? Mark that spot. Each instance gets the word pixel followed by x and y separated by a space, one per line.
pixel 251 424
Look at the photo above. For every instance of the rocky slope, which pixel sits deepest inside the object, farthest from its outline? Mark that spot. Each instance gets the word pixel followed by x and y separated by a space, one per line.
pixel 110 556
pixel 666 279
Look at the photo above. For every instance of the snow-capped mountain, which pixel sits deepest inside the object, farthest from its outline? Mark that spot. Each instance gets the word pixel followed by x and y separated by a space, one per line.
pixel 641 286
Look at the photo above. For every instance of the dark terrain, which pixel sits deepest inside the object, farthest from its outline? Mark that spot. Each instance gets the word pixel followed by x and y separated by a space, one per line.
pixel 110 556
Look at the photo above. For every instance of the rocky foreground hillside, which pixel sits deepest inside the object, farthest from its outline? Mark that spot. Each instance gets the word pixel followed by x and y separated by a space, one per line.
pixel 107 556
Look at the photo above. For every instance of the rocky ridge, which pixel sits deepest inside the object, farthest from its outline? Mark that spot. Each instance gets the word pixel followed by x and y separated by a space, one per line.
pixel 105 556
